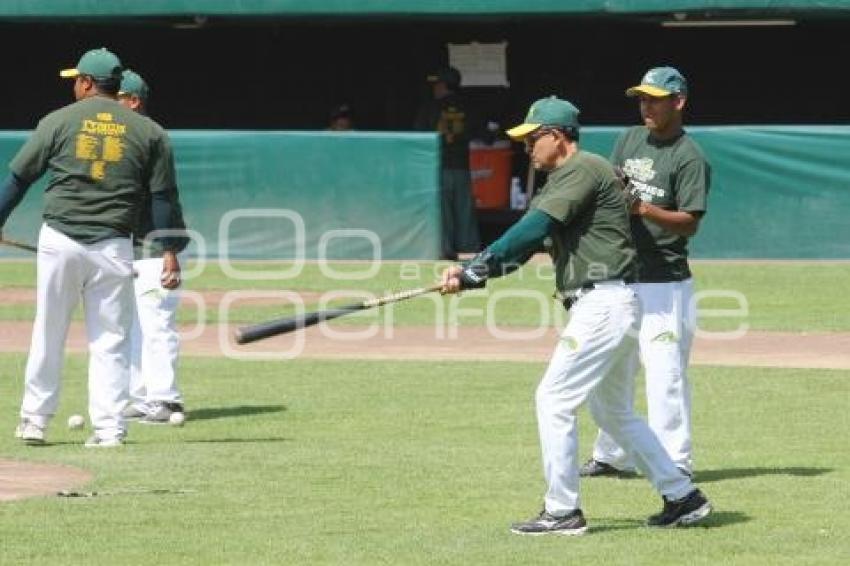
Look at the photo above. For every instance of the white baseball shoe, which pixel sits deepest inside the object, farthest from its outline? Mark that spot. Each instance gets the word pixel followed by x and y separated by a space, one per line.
pixel 29 432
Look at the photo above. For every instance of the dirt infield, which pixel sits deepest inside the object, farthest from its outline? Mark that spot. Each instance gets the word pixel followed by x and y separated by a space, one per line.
pixel 764 349
pixel 19 480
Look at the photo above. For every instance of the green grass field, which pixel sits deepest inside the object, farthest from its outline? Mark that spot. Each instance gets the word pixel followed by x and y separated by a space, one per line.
pixel 790 297
pixel 411 463
pixel 354 462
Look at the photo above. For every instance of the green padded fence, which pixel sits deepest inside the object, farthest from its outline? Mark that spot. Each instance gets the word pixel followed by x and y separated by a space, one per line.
pixel 263 195
pixel 778 192
pixel 126 8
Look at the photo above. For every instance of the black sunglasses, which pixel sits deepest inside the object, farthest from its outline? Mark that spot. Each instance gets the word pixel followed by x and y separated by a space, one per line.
pixel 532 138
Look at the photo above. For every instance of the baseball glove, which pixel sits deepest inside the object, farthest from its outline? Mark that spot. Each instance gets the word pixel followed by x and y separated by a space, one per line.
pixel 630 192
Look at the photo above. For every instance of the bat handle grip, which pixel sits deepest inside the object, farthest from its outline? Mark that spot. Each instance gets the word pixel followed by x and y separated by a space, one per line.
pixel 400 296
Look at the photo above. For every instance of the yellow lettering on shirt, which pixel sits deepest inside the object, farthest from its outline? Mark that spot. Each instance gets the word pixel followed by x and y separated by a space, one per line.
pixel 100 142
pixel 86 147
pixel 451 124
pixel 113 149
pixel 104 128
pixel 98 170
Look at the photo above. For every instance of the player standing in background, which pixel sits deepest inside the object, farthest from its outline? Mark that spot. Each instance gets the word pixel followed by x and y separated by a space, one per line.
pixel 154 339
pixel 103 159
pixel 447 114
pixel 670 178
pixel 582 210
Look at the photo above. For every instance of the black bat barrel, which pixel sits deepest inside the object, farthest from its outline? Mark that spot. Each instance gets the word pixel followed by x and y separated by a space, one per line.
pixel 248 334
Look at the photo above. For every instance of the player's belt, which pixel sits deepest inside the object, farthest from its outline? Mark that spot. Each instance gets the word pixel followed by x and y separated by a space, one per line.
pixel 570 298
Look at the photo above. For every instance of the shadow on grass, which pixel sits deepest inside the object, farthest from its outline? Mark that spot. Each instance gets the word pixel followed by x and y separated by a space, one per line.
pixel 722 519
pixel 235 411
pixel 716 519
pixel 705 476
pixel 605 525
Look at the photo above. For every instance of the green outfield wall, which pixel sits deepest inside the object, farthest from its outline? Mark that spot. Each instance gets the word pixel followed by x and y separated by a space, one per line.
pixel 777 192
pixel 125 8
pixel 261 195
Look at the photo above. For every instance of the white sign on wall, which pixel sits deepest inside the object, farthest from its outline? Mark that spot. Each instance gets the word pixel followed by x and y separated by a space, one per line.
pixel 480 64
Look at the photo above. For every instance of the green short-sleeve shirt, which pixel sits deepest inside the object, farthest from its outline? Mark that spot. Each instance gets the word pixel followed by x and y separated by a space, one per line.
pixel 103 159
pixel 673 175
pixel 592 240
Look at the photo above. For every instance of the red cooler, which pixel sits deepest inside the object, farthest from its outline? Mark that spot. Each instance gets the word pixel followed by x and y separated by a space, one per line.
pixel 491 176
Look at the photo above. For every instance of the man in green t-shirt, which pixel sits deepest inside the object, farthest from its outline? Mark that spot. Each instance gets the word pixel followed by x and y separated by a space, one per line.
pixel 447 114
pixel 669 179
pixel 582 211
pixel 103 160
pixel 154 339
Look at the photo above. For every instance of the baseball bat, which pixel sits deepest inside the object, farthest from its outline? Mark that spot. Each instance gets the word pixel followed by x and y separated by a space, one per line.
pixel 254 332
pixel 33 249
pixel 19 245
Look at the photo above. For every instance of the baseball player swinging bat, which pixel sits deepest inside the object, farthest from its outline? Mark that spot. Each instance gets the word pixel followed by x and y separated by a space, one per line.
pixel 248 334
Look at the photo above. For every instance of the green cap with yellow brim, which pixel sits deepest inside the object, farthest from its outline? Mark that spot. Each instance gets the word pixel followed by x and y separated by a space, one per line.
pixel 97 63
pixel 660 82
pixel 551 111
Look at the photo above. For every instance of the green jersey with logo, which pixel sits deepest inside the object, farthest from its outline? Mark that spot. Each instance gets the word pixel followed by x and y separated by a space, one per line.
pixel 103 160
pixel 591 241
pixel 673 175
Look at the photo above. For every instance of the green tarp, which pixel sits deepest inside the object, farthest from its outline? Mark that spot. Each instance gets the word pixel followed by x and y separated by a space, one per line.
pixel 136 8
pixel 261 195
pixel 778 191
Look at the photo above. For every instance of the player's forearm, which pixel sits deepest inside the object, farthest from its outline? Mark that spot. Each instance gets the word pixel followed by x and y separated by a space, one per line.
pixel 166 216
pixel 12 191
pixel 509 252
pixel 679 222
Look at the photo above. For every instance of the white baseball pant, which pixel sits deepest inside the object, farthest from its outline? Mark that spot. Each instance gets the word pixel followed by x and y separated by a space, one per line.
pixel 595 360
pixel 155 340
pixel 666 335
pixel 100 273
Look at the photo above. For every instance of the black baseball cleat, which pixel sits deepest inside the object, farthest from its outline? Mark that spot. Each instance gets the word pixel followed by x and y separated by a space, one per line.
pixel 594 468
pixel 689 510
pixel 546 524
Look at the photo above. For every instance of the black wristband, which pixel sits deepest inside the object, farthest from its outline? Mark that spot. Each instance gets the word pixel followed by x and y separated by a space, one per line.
pixel 476 271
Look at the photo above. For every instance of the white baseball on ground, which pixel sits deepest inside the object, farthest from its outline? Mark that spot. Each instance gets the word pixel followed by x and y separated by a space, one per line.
pixel 76 422
pixel 177 419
